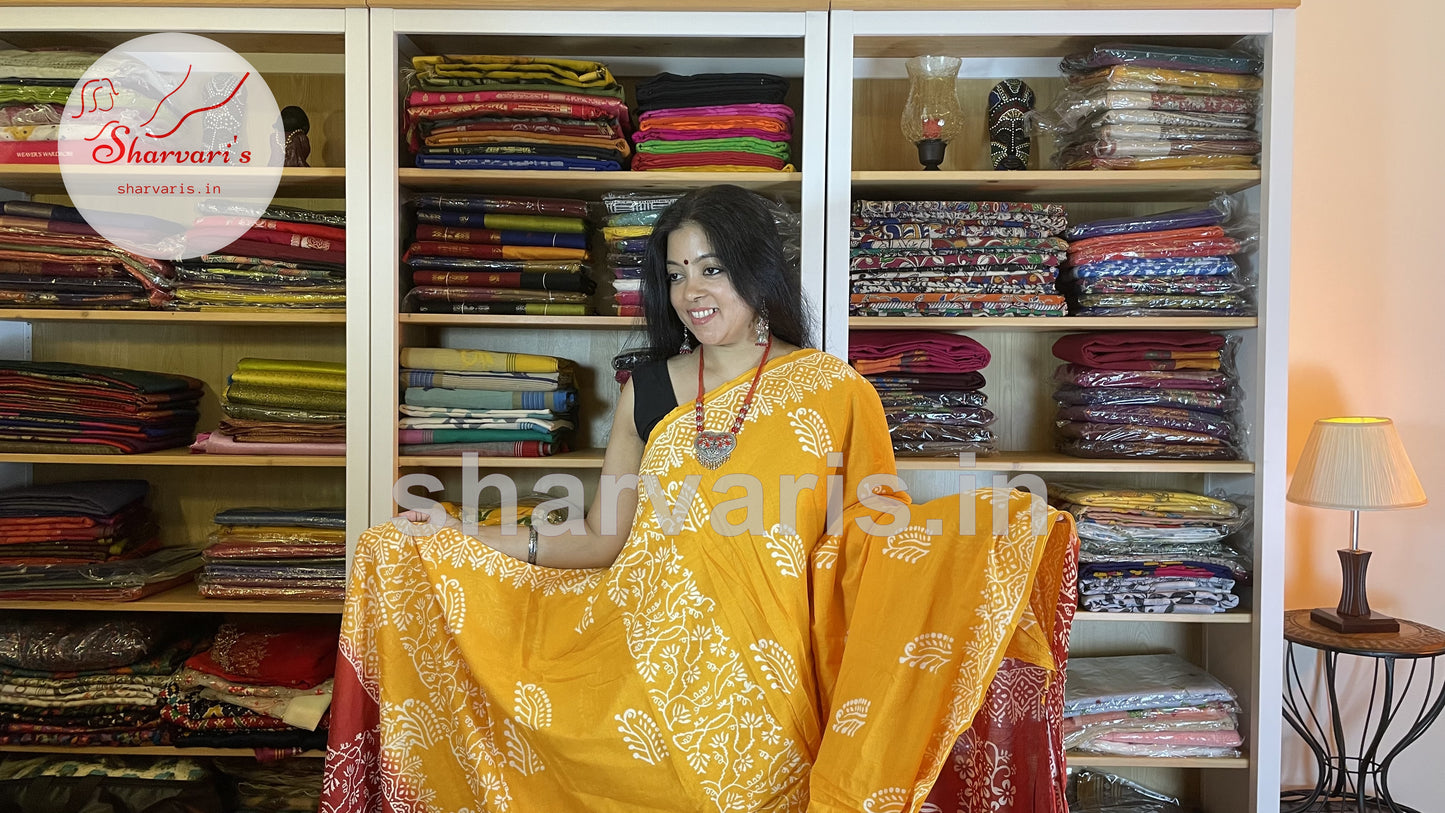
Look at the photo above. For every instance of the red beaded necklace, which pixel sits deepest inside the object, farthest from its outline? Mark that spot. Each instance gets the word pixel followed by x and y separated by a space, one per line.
pixel 714 448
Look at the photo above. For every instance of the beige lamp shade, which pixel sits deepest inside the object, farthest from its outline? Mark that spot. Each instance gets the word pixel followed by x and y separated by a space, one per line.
pixel 1355 463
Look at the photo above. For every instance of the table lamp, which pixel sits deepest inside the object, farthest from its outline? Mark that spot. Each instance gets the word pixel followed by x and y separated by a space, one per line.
pixel 1357 464
pixel 931 116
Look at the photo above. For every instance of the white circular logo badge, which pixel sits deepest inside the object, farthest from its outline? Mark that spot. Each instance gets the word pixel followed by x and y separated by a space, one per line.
pixel 172 146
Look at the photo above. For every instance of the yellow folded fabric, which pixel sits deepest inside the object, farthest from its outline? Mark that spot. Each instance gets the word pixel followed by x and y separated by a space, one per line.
pixel 443 358
pixel 1149 499
pixel 292 365
pixel 611 233
pixel 303 379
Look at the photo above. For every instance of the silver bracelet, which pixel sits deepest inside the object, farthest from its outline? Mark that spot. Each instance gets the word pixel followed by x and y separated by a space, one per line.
pixel 532 544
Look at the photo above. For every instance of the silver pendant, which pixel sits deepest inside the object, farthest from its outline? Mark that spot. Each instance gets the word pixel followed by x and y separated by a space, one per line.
pixel 714 448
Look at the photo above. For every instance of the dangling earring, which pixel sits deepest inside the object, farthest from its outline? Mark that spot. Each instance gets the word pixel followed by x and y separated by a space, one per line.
pixel 686 343
pixel 761 326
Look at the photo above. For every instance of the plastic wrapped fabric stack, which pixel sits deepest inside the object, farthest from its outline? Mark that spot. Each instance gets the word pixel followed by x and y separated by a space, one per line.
pixel 955 258
pixel 931 388
pixel 283 553
pixel 1154 550
pixel 1149 706
pixel 1146 394
pixel 51 258
pixel 1176 263
pixel 87 680
pixel 1157 107
pixel 630 217
pixel 288 258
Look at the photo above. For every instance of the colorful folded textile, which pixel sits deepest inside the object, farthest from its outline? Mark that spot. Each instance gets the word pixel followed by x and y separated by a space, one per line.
pixel 1142 350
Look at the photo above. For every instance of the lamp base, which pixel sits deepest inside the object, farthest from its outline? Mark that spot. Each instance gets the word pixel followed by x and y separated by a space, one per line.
pixel 930 152
pixel 1373 623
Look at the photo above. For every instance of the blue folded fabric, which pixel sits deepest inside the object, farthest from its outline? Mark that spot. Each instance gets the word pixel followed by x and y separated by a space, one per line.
pixel 1159 267
pixel 1135 224
pixel 91 498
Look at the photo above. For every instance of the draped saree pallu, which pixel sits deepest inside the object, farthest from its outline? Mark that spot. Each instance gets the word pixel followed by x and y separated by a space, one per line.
pixel 782 664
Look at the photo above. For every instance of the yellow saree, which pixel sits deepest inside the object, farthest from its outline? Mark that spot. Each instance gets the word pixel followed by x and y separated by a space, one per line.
pixel 770 666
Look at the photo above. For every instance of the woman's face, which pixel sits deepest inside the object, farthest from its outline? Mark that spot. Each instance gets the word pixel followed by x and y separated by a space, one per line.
pixel 701 290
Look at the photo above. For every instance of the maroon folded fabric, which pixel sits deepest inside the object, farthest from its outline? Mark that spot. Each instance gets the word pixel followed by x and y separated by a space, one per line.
pixel 1126 350
pixel 879 351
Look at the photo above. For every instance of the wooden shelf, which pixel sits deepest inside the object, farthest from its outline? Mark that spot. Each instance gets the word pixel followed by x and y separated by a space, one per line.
pixel 226 317
pixel 524 322
pixel 144 750
pixel 1054 461
pixel 1055 185
pixel 593 184
pixel 180 457
pixel 1165 618
pixel 969 324
pixel 1107 761
pixel 296 182
pixel 581 459
pixel 185 599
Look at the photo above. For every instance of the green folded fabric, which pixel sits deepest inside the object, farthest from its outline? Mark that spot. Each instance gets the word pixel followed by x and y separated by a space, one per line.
pixel 252 412
pixel 760 146
pixel 288 398
pixel 292 365
pixel 288 379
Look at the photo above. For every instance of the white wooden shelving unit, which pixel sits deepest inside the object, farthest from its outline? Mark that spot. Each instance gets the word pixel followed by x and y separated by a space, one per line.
pixel 316 58
pixel 848 89
pixel 869 158
pixel 635 45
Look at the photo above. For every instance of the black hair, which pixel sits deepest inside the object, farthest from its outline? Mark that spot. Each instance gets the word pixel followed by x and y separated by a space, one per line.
pixel 744 235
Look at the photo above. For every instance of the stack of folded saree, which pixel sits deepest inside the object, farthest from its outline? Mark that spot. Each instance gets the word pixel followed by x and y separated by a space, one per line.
pixel 62 408
pixel 515 112
pixel 290 553
pixel 1160 394
pixel 34 86
pixel 87 679
pixel 930 387
pixel 288 258
pixel 714 122
pixel 50 257
pixel 1158 107
pixel 955 258
pixel 490 404
pixel 1154 550
pixel 1148 706
pixel 1169 264
pixel 499 254
pixel 281 407
pixel 630 218
pixel 76 523
pixel 262 684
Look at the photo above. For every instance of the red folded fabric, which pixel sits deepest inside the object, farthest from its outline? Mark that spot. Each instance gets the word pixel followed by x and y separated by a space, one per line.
pixel 1142 350
pixel 880 351
pixel 646 161
pixel 271 655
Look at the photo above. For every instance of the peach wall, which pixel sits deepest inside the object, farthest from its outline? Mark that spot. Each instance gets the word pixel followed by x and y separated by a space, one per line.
pixel 1367 317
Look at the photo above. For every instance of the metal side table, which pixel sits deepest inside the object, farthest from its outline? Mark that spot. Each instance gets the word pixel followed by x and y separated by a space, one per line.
pixel 1359 780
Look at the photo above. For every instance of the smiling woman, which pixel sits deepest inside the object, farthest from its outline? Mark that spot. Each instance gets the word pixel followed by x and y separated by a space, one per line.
pixel 780 649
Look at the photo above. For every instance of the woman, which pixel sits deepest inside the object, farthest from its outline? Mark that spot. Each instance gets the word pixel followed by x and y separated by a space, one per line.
pixel 773 627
